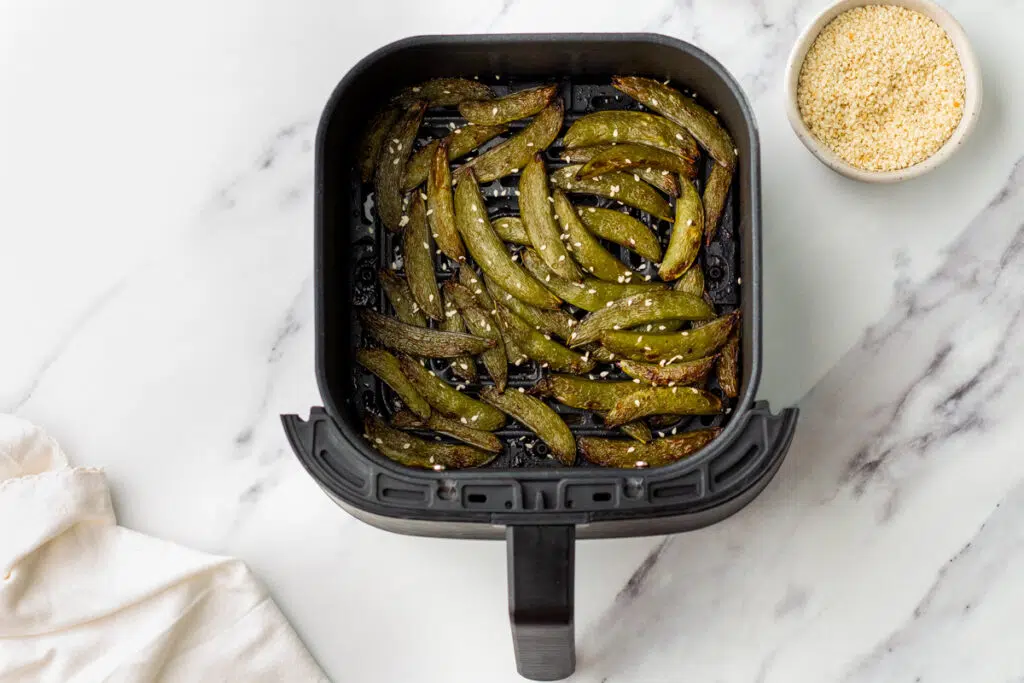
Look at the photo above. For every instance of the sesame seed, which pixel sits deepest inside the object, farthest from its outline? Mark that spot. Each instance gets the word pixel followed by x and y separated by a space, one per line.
pixel 403 221
pixel 494 110
pixel 631 449
pixel 406 446
pixel 679 136
pixel 636 402
pixel 522 390
pixel 641 464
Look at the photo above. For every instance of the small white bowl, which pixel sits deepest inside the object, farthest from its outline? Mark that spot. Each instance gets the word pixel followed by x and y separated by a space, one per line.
pixel 972 79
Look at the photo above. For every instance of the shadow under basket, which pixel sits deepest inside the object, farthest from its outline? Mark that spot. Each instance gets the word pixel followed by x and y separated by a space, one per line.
pixel 538 506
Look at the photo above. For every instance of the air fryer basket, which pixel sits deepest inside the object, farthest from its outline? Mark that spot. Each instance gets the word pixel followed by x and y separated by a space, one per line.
pixel 538 506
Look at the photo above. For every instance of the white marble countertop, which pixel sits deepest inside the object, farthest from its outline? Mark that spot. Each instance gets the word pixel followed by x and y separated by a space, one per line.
pixel 155 283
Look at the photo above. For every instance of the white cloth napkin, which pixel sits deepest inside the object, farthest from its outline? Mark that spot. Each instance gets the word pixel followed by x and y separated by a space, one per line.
pixel 83 600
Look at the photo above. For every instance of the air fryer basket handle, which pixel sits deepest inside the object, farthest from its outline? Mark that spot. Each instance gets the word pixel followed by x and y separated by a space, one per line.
pixel 541 573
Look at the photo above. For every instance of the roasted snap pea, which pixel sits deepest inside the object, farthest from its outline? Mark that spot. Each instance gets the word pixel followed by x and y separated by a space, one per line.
pixel 538 417
pixel 373 141
pixel 687 234
pixel 396 289
pixel 463 366
pixel 482 324
pixel 489 251
pixel 683 110
pixel 630 157
pixel 728 369
pixel 582 393
pixel 413 451
pixel 672 347
pixel 535 209
pixel 586 249
pixel 449 401
pixel 511 229
pixel 662 180
pixel 540 347
pixel 556 322
pixel 591 294
pixel 669 374
pixel 404 419
pixel 418 251
pixel 632 127
pixel 391 166
pixel 441 206
pixel 513 107
pixel 420 341
pixel 657 453
pixel 715 193
pixel 692 281
pixel 663 401
pixel 637 430
pixel 445 92
pixel 620 186
pixel 461 142
pixel 638 309
pixel 474 283
pixel 512 155
pixel 387 367
pixel 622 229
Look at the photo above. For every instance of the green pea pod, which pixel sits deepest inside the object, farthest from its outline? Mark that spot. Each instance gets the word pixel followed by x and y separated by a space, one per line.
pixel 728 370
pixel 396 289
pixel 463 366
pixel 591 294
pixel 585 248
pixel 637 430
pixel 511 229
pixel 669 374
pixel 657 453
pixel 716 191
pixel 512 155
pixel 445 92
pixel 404 419
pixel 386 366
pixel 418 250
pixel 663 180
pixel 556 322
pixel 483 325
pixel 513 107
pixel 413 451
pixel 622 229
pixel 420 341
pixel 672 347
pixel 538 417
pixel 391 166
pixel 692 281
pixel 486 298
pixel 641 308
pixel 473 282
pixel 441 206
pixel 620 186
pixel 373 141
pixel 488 250
pixel 535 203
pixel 663 401
pixel 629 157
pixel 582 393
pixel 540 347
pixel 618 126
pixel 449 401
pixel 687 234
pixel 685 111
pixel 461 142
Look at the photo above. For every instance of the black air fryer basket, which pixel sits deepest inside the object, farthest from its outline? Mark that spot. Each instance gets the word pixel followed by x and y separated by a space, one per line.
pixel 537 505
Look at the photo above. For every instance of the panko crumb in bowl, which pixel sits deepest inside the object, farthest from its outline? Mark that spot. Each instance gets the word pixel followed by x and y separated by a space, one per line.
pixel 883 91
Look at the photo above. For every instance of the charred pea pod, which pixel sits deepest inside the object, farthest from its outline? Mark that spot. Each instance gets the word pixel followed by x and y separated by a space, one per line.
pixel 630 157
pixel 461 142
pixel 387 368
pixel 687 234
pixel 373 141
pixel 728 370
pixel 637 430
pixel 582 393
pixel 663 401
pixel 692 281
pixel 669 374
pixel 662 180
pixel 586 249
pixel 488 250
pixel 683 110
pixel 464 367
pixel 482 324
pixel 674 346
pixel 556 322
pixel 412 451
pixel 441 206
pixel 638 309
pixel 404 419
pixel 540 347
pixel 449 401
pixel 418 251
pixel 391 166
pixel 622 229
pixel 420 341
pixel 619 186
pixel 512 107
pixel 605 127
pixel 657 453
pixel 715 193
pixel 539 418
pixel 445 92
pixel 535 208
pixel 511 229
pixel 512 155
pixel 396 289
pixel 591 294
